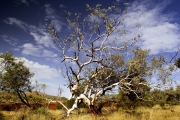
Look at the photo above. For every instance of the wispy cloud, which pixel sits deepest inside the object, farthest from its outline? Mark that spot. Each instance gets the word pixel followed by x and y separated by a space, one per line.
pixel 18 23
pixel 41 37
pixel 25 2
pixel 10 40
pixel 53 17
pixel 158 31
pixel 34 1
pixel 43 46
pixel 62 6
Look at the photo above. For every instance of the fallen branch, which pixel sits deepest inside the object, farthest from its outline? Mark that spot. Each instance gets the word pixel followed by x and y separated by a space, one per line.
pixel 56 102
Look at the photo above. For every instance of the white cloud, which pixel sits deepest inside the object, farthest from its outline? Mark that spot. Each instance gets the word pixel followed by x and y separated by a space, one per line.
pixel 30 49
pixel 42 38
pixel 161 38
pixel 37 51
pixel 158 32
pixel 11 40
pixel 42 72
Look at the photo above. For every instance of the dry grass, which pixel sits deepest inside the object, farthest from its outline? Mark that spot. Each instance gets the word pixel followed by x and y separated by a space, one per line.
pixel 27 114
pixel 141 113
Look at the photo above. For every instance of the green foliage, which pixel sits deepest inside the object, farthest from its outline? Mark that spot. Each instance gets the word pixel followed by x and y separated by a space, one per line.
pixel 130 100
pixel 70 103
pixel 6 97
pixel 151 98
pixel 138 63
pixel 15 76
pixel 104 78
pixel 159 97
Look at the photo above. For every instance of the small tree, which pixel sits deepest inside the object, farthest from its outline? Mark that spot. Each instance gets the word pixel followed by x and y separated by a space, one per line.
pixel 15 76
pixel 36 86
pixel 60 91
pixel 104 59
pixel 43 87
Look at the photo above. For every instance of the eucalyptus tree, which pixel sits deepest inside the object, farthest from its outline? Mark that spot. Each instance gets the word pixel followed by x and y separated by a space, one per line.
pixel 60 91
pixel 99 56
pixel 43 86
pixel 15 77
pixel 36 86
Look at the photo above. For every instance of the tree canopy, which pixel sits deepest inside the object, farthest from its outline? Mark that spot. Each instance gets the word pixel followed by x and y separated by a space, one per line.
pixel 98 54
pixel 15 76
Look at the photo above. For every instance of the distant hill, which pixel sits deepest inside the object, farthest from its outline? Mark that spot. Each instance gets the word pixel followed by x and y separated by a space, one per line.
pixel 34 97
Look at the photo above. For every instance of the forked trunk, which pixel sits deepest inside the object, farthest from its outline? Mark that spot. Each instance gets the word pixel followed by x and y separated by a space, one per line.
pixel 82 98
pixel 23 100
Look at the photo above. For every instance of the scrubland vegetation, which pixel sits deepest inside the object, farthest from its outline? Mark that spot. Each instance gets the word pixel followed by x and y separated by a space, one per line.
pixel 164 106
pixel 140 113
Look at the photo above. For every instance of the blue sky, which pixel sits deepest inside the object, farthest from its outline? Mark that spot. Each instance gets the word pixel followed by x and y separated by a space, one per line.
pixel 23 31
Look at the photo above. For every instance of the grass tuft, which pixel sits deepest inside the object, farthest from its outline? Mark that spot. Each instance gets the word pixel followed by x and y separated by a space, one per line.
pixel 141 113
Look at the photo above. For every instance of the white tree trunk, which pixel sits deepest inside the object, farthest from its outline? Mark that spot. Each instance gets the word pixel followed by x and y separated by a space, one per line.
pixel 80 98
